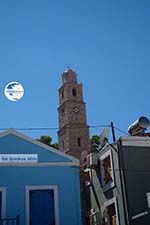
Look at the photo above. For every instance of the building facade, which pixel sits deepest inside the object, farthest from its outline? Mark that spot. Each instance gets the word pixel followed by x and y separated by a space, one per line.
pixel 120 176
pixel 37 183
pixel 73 130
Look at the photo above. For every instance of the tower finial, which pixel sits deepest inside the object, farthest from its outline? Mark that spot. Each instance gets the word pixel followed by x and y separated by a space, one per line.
pixel 68 68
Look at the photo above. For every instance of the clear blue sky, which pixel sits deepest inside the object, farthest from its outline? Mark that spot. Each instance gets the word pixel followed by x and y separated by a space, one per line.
pixel 106 42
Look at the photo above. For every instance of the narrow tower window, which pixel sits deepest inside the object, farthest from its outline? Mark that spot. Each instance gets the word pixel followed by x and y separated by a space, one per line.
pixel 62 112
pixel 79 142
pixel 74 92
pixel 62 94
pixel 63 144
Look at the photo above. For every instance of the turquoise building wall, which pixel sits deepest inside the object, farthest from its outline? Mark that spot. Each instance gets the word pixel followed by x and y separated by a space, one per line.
pixel 52 169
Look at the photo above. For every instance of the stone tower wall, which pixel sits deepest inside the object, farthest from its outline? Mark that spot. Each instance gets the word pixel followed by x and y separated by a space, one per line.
pixel 73 130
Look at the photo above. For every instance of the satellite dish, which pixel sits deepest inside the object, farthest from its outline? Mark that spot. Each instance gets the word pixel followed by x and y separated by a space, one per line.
pixel 104 137
pixel 83 158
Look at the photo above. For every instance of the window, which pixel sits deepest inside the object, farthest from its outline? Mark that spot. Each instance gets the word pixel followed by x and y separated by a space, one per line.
pixel 63 144
pixel 111 215
pixel 79 142
pixel 62 112
pixel 107 169
pixel 148 199
pixel 62 94
pixel 107 174
pixel 2 202
pixel 74 92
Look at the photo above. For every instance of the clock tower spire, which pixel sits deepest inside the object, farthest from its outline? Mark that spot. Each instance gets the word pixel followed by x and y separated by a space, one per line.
pixel 73 131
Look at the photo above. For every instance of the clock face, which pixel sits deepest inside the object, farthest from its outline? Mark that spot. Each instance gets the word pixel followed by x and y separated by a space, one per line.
pixel 76 110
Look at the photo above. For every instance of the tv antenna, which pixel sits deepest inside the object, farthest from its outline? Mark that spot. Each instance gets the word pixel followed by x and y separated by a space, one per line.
pixel 104 137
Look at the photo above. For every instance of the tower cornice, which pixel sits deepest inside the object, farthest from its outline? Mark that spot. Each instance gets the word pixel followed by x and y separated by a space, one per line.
pixel 67 84
pixel 67 101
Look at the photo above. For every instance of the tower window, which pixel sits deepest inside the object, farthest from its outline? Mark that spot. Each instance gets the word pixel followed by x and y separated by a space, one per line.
pixel 62 94
pixel 79 142
pixel 74 93
pixel 62 112
pixel 63 144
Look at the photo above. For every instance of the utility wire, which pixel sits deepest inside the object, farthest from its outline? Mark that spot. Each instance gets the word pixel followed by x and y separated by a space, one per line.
pixel 100 126
pixel 91 127
pixel 124 132
pixel 52 128
pixel 132 140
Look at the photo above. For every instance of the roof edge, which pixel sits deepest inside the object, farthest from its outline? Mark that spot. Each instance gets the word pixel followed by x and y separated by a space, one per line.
pixel 135 141
pixel 33 141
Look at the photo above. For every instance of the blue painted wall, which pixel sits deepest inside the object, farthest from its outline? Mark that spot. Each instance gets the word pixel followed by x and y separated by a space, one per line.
pixel 13 144
pixel 15 179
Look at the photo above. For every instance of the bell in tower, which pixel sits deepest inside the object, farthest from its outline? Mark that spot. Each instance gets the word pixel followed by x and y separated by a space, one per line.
pixel 73 131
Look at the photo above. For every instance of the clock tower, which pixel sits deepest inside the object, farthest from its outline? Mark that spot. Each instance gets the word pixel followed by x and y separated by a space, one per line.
pixel 73 131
